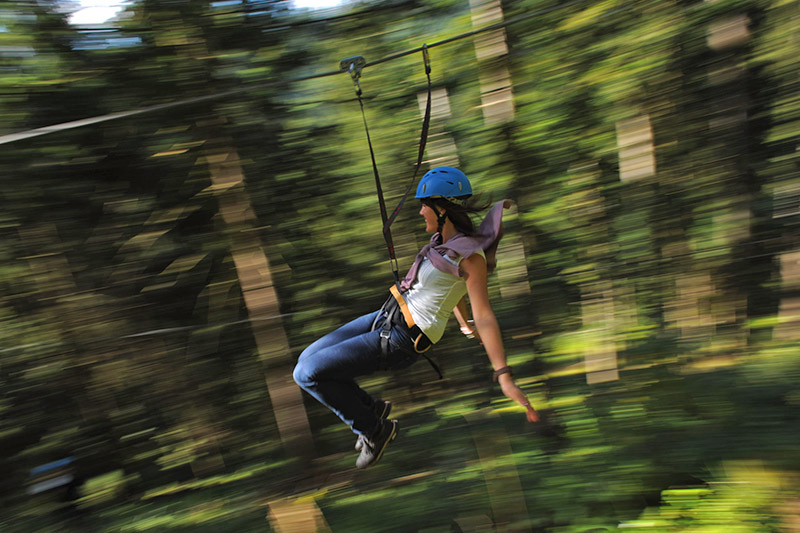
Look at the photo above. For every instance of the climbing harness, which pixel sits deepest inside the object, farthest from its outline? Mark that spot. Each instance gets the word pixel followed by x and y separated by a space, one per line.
pixel 353 66
pixel 423 139
pixel 395 313
pixel 394 309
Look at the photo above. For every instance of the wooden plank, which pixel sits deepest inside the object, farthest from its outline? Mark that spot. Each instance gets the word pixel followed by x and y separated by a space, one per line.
pixel 300 516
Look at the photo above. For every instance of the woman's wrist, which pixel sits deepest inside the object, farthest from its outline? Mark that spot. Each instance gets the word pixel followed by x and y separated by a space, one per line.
pixel 504 373
pixel 468 328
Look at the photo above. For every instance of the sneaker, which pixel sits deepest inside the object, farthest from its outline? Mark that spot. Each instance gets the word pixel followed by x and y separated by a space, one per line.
pixel 373 448
pixel 382 409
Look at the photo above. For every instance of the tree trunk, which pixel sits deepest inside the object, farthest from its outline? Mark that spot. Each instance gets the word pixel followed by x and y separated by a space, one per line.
pixel 261 299
pixel 497 99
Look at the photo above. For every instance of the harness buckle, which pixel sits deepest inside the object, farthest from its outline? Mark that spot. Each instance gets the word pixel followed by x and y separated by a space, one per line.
pixel 386 333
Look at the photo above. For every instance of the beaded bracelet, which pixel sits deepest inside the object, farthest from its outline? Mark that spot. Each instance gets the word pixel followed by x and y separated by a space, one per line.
pixel 499 372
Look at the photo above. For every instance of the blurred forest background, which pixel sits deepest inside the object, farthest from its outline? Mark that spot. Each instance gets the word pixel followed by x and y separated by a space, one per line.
pixel 162 271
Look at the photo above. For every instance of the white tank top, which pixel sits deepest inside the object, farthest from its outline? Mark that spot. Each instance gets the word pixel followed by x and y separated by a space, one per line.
pixel 433 296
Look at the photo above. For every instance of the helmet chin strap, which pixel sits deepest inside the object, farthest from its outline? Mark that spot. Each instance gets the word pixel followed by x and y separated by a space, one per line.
pixel 441 218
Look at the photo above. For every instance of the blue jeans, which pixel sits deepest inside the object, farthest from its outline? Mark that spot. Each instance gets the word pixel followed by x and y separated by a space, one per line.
pixel 327 368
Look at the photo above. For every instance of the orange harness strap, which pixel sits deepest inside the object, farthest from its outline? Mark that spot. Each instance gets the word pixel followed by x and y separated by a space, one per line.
pixel 403 307
pixel 401 302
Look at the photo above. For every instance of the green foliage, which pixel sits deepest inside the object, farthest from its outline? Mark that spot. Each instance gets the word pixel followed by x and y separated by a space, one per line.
pixel 103 489
pixel 748 497
pixel 126 339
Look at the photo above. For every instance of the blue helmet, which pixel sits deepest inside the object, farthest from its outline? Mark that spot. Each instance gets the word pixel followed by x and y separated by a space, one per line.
pixel 444 182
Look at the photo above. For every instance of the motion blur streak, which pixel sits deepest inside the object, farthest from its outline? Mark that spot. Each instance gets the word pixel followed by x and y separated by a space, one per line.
pixel 162 272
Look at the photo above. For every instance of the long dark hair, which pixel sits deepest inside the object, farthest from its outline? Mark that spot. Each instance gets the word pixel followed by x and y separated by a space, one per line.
pixel 459 215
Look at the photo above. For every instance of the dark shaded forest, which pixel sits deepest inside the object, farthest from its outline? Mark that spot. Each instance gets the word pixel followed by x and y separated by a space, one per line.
pixel 163 269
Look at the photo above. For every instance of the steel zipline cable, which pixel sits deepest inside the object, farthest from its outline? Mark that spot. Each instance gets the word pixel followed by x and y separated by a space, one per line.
pixel 156 332
pixel 74 124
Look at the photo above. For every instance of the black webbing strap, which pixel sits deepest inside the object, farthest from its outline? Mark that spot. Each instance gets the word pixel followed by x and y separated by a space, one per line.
pixel 423 140
pixel 387 235
pixel 354 65
pixel 434 365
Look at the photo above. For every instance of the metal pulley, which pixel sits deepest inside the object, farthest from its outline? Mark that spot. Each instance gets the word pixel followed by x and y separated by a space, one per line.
pixel 353 65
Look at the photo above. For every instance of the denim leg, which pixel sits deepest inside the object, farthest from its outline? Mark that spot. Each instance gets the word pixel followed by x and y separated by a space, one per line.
pixel 352 329
pixel 355 327
pixel 327 368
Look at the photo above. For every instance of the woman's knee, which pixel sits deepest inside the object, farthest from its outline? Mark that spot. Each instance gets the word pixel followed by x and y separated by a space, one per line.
pixel 303 373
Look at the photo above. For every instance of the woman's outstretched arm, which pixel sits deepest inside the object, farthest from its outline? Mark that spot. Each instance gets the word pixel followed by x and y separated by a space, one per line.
pixel 474 270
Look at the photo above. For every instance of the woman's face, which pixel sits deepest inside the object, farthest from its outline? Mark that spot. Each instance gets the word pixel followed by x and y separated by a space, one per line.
pixel 431 220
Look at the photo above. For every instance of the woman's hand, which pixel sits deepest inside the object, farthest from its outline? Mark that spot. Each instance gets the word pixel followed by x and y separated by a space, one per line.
pixel 470 331
pixel 513 392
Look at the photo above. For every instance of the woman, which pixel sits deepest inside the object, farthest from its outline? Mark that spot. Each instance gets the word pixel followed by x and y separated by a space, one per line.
pixel 455 263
